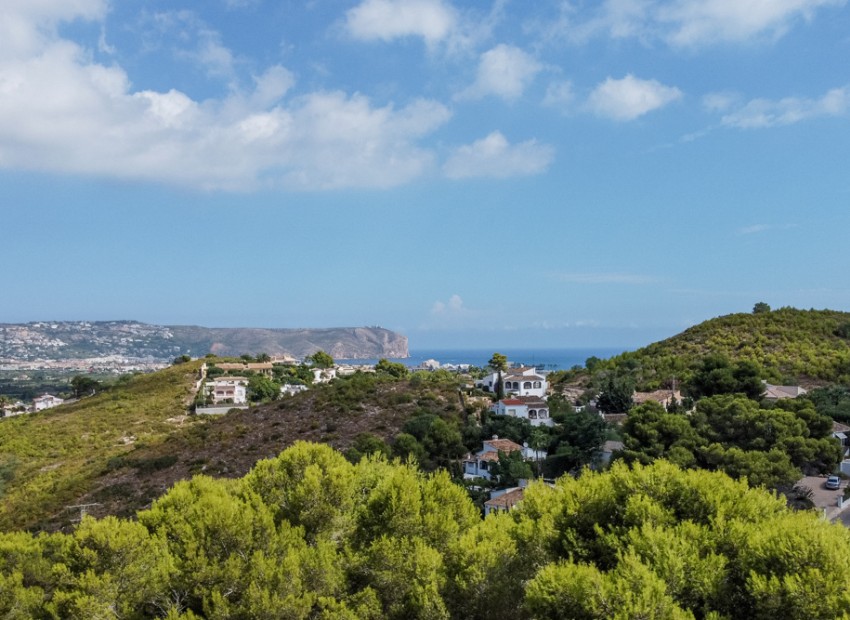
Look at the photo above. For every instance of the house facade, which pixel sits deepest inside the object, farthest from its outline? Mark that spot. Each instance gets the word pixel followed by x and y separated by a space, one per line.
pixel 229 389
pixel 291 389
pixel 503 500
pixel 531 408
pixel 46 401
pixel 480 464
pixel 522 381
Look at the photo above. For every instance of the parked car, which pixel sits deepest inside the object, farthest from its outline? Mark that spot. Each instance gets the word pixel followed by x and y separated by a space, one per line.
pixel 833 482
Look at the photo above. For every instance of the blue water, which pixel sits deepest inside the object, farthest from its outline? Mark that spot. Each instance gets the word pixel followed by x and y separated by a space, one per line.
pixel 549 359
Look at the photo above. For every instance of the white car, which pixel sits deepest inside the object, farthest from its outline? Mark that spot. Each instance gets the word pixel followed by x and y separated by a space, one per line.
pixel 833 482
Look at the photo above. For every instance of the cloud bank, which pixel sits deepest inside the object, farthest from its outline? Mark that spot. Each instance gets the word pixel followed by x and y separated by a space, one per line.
pixel 62 111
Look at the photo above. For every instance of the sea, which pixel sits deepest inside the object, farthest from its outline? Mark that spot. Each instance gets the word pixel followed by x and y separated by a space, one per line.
pixel 547 359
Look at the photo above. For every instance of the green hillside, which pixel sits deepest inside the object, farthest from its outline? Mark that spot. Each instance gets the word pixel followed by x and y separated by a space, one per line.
pixel 806 346
pixel 123 448
pixel 48 459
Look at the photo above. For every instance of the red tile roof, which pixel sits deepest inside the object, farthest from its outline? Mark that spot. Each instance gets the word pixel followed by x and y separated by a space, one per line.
pixel 507 500
pixel 505 445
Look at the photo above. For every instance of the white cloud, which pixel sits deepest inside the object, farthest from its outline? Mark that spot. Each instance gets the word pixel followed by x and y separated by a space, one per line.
pixel 450 314
pixel 559 95
pixel 605 278
pixel 62 112
pixel 196 42
pixel 760 228
pixel 761 113
pixel 27 24
pixel 687 23
pixel 494 156
pixel 630 97
pixel 694 22
pixel 453 306
pixel 433 20
pixel 504 71
pixel 751 230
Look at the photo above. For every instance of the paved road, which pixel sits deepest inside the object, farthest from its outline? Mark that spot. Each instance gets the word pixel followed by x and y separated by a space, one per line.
pixel 827 499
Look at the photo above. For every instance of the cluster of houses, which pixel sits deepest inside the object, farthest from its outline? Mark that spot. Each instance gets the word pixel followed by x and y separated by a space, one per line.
pixel 525 390
pixel 40 403
pixel 230 391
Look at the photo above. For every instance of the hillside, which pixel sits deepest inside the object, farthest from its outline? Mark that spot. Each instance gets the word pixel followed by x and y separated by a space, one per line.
pixel 122 449
pixel 48 459
pixel 54 340
pixel 811 347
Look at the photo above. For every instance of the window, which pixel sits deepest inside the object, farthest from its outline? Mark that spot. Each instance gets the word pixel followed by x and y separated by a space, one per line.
pixel 527 385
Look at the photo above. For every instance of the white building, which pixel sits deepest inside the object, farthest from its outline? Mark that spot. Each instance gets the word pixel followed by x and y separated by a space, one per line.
pixel 46 401
pixel 522 381
pixel 323 375
pixel 480 464
pixel 531 408
pixel 291 389
pixel 503 499
pixel 228 389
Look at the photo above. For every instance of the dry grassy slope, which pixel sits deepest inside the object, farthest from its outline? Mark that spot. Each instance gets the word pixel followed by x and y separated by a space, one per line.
pixel 49 459
pixel 228 446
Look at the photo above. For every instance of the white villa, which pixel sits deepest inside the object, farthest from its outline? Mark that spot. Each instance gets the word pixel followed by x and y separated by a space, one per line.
pixel 503 499
pixel 323 375
pixel 46 401
pixel 522 381
pixel 291 389
pixel 232 389
pixel 531 408
pixel 478 465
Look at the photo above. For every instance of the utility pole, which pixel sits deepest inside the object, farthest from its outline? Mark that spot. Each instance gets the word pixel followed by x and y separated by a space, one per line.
pixel 83 509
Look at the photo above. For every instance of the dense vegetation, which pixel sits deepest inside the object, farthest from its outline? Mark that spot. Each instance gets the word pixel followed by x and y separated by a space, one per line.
pixel 310 535
pixel 787 345
pixel 770 446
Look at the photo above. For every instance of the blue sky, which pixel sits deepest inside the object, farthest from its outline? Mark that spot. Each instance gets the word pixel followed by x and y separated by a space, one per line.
pixel 472 174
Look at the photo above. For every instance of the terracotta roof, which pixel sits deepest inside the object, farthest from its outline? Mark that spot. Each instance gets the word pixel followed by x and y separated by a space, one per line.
pixel 488 456
pixel 837 427
pixel 512 401
pixel 506 500
pixel 505 445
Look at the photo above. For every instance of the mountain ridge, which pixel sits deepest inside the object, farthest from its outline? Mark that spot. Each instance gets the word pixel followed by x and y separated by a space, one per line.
pixel 46 340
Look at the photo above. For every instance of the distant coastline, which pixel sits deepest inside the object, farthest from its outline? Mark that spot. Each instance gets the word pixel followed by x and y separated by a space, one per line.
pixel 549 359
